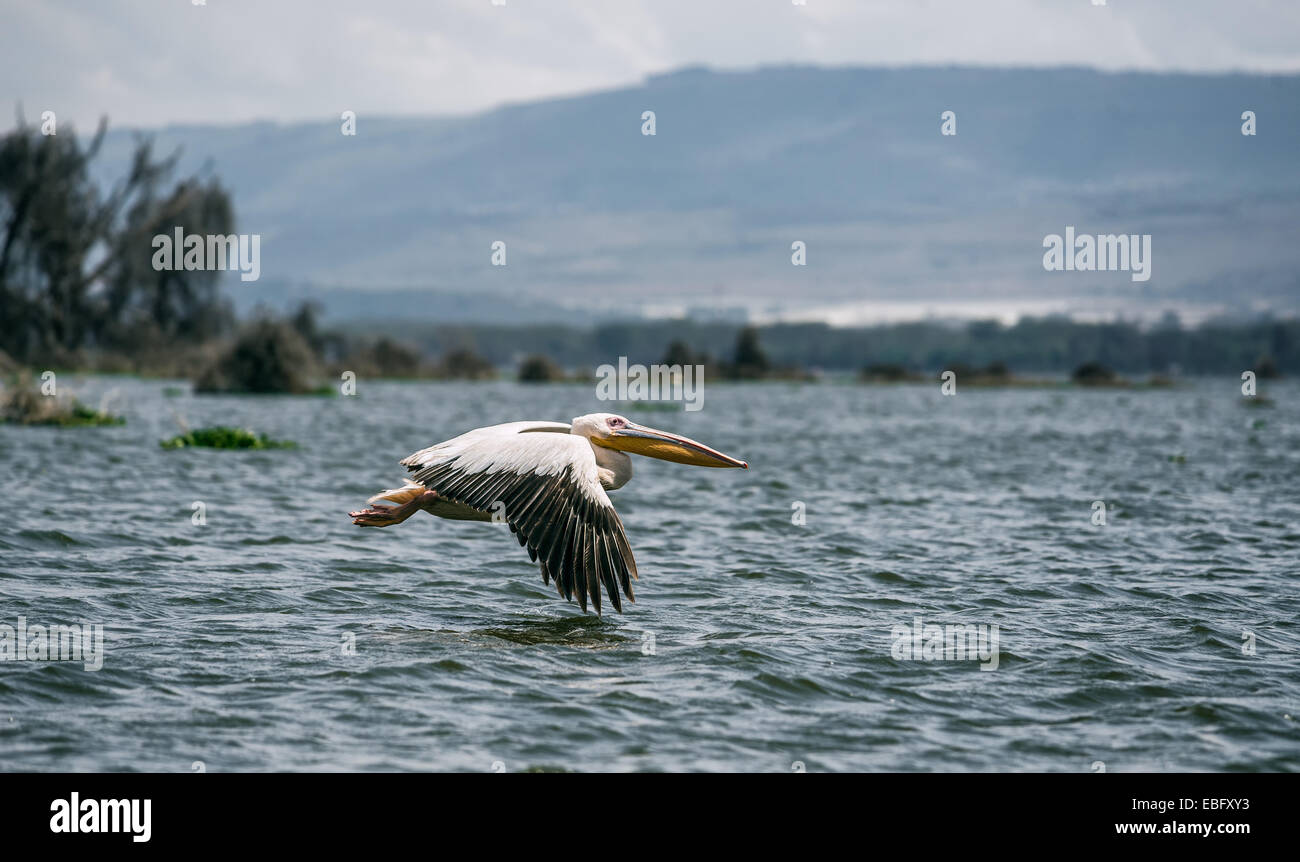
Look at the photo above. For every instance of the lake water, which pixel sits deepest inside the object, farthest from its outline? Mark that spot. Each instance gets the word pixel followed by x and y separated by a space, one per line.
pixel 755 644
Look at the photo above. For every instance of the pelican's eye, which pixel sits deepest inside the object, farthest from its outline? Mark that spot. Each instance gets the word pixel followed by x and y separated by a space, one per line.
pixel 615 422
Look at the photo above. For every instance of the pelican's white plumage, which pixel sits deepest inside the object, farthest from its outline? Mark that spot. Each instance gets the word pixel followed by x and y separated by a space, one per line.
pixel 517 447
pixel 548 481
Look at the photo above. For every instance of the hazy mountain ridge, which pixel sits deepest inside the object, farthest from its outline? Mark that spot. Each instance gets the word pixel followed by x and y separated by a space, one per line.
pixel 850 161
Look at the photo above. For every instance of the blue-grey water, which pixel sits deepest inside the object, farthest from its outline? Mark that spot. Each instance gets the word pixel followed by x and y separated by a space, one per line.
pixel 1165 639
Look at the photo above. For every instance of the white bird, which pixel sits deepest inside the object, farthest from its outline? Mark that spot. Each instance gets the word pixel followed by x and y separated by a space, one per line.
pixel 547 480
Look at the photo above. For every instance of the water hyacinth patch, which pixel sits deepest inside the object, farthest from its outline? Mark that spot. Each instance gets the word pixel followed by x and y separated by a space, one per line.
pixel 221 437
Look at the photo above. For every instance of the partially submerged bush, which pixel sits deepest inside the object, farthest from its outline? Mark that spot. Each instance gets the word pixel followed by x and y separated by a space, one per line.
pixel 1266 368
pixel 1094 374
pixel 993 374
pixel 268 356
pixel 539 369
pixel 996 371
pixel 383 358
pixel 883 372
pixel 25 405
pixel 221 437
pixel 465 364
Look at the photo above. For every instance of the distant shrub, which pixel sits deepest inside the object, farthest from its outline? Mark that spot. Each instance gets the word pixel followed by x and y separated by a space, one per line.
pixel 997 370
pixel 882 372
pixel 539 369
pixel 1093 374
pixel 750 362
pixel 464 364
pixel 384 358
pixel 396 360
pixel 679 353
pixel 993 374
pixel 268 356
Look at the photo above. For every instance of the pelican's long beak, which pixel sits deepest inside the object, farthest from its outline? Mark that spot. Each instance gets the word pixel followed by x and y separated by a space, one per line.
pixel 640 440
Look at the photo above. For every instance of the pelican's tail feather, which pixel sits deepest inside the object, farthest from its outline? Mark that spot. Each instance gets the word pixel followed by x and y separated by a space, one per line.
pixel 399 496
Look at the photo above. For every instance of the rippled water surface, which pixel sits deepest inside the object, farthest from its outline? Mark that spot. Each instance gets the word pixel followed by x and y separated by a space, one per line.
pixel 755 643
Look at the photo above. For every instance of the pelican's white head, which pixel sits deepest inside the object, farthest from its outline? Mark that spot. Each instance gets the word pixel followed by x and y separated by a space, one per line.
pixel 618 432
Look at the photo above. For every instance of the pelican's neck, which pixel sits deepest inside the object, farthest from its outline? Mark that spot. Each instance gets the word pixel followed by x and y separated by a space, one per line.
pixel 613 467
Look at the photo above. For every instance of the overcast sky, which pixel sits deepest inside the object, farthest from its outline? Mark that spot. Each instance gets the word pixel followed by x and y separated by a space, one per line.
pixel 150 62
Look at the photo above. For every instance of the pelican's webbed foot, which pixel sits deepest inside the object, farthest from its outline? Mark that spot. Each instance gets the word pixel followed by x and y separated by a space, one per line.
pixel 386 516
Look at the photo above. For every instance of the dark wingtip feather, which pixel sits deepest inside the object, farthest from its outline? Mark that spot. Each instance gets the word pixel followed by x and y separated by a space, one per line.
pixel 577 540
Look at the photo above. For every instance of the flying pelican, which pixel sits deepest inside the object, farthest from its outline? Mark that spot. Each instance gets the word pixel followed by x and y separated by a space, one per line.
pixel 549 487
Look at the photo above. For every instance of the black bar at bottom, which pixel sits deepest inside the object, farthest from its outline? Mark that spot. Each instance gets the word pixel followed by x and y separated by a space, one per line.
pixel 330 812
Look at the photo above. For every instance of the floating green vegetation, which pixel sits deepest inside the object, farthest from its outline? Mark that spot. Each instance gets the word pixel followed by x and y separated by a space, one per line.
pixel 78 415
pixel 26 406
pixel 220 437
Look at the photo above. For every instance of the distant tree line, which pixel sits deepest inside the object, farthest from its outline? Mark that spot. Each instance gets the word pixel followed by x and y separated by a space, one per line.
pixel 1050 344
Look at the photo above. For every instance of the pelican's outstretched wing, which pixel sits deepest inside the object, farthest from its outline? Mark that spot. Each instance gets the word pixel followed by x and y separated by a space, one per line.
pixel 547 488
